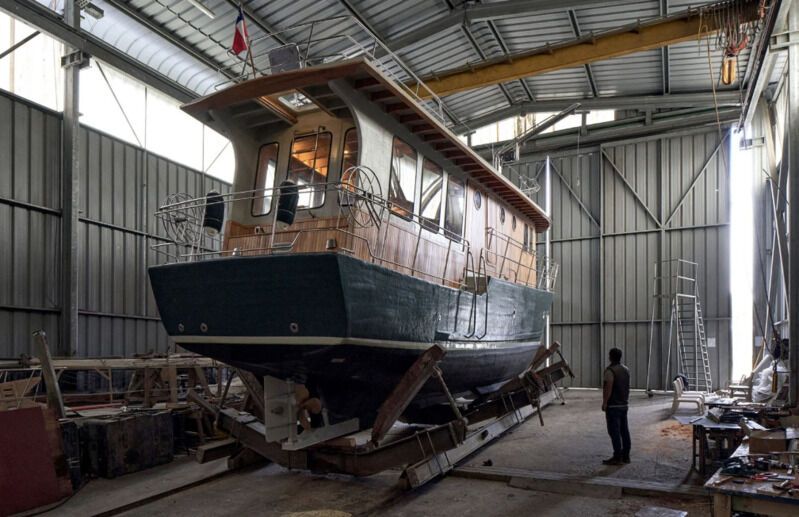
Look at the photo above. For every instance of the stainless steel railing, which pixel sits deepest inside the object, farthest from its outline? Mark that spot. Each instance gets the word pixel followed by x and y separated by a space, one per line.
pixel 362 217
pixel 363 221
pixel 329 40
pixel 518 263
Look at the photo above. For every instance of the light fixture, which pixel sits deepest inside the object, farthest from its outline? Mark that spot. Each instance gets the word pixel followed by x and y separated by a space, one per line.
pixel 91 9
pixel 202 8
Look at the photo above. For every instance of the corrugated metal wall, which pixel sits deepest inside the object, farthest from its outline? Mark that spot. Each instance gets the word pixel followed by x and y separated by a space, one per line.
pixel 120 185
pixel 618 209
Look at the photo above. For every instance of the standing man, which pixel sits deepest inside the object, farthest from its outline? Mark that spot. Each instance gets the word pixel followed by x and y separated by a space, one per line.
pixel 615 400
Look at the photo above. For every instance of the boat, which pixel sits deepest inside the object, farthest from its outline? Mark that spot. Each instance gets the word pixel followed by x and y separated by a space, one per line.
pixel 359 232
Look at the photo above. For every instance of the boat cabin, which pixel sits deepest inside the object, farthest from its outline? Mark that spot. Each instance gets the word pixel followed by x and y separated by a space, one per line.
pixel 340 158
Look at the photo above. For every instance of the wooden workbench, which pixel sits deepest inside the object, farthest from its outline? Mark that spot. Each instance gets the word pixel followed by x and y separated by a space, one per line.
pixel 752 496
pixel 727 437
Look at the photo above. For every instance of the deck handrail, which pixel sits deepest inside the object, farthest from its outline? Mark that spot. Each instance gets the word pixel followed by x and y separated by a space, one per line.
pixel 361 216
pixel 358 43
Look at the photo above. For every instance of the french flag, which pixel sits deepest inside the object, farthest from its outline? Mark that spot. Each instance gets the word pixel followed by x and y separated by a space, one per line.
pixel 240 36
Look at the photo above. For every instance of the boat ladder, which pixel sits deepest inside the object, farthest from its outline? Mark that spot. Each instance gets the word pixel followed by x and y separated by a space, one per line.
pixel 476 282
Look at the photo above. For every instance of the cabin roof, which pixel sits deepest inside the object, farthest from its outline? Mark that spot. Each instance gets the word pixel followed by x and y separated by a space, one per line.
pixel 395 101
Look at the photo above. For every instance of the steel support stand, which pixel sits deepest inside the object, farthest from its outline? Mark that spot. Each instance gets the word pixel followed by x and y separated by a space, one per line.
pixel 70 142
pixel 793 202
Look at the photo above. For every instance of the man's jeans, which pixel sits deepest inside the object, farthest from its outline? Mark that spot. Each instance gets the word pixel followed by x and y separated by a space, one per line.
pixel 617 429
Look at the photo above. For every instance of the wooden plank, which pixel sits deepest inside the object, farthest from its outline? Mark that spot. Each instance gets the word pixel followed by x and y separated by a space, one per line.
pixel 255 389
pixel 203 380
pixel 407 388
pixel 789 508
pixel 148 386
pixel 560 486
pixel 627 486
pixel 215 450
pixel 116 363
pixel 54 400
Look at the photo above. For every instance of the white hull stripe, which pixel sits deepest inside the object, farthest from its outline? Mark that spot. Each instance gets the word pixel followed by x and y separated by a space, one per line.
pixel 332 341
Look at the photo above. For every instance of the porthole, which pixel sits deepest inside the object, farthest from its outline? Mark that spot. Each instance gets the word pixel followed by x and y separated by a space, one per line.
pixel 502 215
pixel 513 223
pixel 478 200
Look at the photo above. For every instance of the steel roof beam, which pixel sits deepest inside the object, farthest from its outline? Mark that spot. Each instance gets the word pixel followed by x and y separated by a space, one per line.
pixel 505 50
pixel 48 21
pixel 665 59
pixel 467 14
pixel 636 128
pixel 638 102
pixel 685 26
pixel 589 74
pixel 168 35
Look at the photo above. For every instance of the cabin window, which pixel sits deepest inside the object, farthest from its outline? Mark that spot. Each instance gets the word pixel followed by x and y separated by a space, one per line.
pixel 308 166
pixel 526 238
pixel 478 200
pixel 402 183
pixel 264 180
pixel 456 202
pixel 350 154
pixel 432 192
pixel 502 215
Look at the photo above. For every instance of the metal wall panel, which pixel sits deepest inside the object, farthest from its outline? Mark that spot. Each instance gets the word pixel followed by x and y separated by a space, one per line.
pixel 616 211
pixel 120 186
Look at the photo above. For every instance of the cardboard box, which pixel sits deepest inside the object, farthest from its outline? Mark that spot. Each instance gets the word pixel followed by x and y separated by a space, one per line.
pixel 764 442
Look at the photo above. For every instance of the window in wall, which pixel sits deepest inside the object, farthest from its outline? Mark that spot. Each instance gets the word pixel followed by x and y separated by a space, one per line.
pixel 349 175
pixel 350 155
pixel 264 179
pixel 308 166
pixel 432 191
pixel 402 183
pixel 456 201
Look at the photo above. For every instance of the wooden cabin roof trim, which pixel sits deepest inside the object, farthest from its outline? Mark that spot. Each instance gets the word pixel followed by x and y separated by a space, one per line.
pixel 463 156
pixel 511 193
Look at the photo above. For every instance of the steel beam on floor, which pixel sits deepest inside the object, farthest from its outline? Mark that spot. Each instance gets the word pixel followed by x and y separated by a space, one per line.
pixel 420 473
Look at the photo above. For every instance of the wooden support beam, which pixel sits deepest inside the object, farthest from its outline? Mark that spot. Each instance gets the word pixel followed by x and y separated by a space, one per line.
pixel 382 95
pixel 405 391
pixel 54 400
pixel 278 109
pixel 661 32
pixel 409 119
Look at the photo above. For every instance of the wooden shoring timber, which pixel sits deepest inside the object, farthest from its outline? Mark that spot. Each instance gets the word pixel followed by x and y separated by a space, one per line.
pixel 255 389
pixel 404 392
pixel 54 399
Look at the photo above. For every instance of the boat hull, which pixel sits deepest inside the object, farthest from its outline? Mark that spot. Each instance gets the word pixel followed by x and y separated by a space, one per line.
pixel 347 328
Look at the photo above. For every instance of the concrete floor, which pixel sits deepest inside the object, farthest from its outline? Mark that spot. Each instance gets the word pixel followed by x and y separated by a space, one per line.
pixel 573 441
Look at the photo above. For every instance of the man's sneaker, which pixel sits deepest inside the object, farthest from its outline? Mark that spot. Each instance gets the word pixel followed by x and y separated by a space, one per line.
pixel 615 460
pixel 625 459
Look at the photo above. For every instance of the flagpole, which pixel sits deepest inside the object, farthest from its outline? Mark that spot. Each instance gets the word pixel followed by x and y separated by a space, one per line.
pixel 252 60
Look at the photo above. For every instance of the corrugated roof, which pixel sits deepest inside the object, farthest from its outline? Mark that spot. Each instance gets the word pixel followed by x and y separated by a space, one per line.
pixel 131 26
